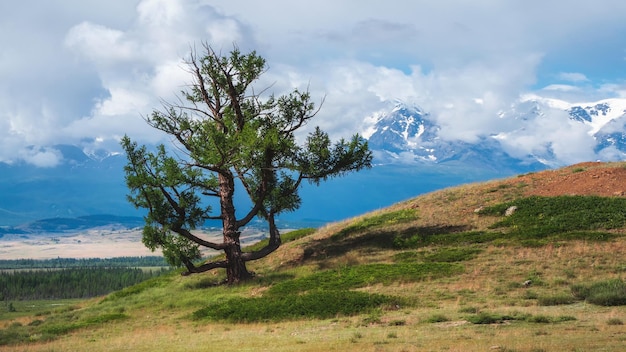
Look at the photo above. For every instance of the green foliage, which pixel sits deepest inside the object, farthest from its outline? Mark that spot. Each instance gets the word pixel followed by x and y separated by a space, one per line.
pixel 604 293
pixel 364 275
pixel 68 283
pixel 59 263
pixel 317 304
pixel 230 138
pixel 571 217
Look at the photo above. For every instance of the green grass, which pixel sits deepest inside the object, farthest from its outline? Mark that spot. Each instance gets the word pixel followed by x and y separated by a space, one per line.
pixel 566 217
pixel 555 300
pixel 537 222
pixel 319 304
pixel 604 293
pixel 499 318
pixel 363 275
pixel 56 324
pixel 420 238
pixel 285 238
pixel 377 221
pixel 441 255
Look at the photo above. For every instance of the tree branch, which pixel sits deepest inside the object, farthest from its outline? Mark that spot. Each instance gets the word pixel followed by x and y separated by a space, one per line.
pixel 192 269
pixel 273 244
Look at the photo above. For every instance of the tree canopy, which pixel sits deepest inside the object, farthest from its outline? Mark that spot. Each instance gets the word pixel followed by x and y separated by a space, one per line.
pixel 229 137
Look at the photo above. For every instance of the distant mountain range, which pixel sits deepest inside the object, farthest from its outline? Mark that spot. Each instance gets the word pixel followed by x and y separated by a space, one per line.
pixel 88 189
pixel 407 134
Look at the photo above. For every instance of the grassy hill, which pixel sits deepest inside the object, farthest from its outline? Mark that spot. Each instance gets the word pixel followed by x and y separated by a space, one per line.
pixel 530 263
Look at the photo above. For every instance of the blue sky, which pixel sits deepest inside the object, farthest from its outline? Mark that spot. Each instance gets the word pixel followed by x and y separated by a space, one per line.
pixel 84 72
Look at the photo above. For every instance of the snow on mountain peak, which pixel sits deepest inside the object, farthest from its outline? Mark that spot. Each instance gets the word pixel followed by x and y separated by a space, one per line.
pixel 407 133
pixel 594 114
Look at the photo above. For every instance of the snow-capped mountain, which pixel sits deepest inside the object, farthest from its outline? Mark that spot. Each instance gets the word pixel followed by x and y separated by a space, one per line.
pixel 406 133
pixel 405 128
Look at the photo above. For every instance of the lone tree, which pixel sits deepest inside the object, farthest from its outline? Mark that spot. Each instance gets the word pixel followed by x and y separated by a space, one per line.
pixel 228 137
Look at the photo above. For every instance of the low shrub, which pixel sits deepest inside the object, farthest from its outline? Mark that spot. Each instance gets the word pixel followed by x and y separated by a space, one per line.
pixel 364 275
pixel 473 310
pixel 437 318
pixel 544 319
pixel 450 255
pixel 615 321
pixel 489 318
pixel 419 240
pixel 13 335
pixel 317 304
pixel 603 293
pixel 555 300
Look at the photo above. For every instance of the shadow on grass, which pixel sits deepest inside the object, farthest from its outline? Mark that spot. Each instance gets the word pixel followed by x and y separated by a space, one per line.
pixel 379 239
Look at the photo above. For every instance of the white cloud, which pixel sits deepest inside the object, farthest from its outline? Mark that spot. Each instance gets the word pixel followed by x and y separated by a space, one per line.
pixel 88 71
pixel 562 88
pixel 573 77
pixel 41 157
pixel 552 135
pixel 101 44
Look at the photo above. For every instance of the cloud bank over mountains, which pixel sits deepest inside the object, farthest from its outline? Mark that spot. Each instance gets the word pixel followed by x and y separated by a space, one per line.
pixel 85 73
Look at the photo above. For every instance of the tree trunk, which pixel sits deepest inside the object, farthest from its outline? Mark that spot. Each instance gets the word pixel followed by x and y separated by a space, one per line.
pixel 236 270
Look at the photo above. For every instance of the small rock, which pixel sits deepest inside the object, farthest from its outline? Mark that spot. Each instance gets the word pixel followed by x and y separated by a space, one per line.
pixel 510 210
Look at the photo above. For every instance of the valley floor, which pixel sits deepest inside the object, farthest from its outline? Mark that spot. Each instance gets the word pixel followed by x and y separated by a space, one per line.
pixel 86 244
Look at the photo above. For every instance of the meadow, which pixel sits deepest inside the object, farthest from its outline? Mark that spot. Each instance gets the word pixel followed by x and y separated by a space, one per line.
pixel 452 270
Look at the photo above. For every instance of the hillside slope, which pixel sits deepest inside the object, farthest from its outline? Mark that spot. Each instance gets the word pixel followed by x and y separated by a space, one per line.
pixel 446 270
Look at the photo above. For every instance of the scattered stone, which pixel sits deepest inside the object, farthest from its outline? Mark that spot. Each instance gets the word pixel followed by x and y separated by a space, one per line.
pixel 510 210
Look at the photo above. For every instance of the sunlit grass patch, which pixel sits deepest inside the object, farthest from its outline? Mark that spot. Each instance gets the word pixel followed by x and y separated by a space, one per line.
pixel 374 221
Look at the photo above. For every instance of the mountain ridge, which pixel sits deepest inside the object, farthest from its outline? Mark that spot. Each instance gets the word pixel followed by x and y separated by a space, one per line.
pixel 407 133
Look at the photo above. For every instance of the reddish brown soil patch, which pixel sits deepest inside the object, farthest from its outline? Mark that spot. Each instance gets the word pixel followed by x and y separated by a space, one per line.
pixel 601 179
